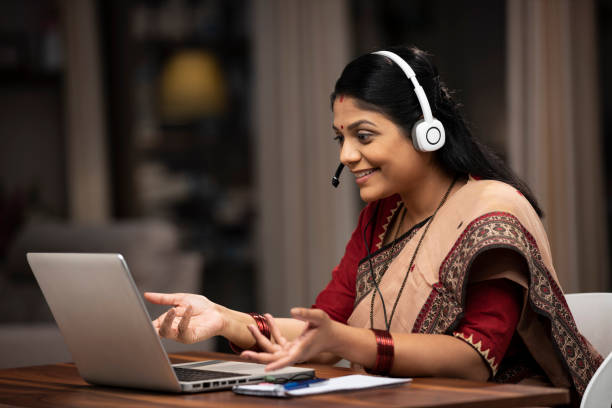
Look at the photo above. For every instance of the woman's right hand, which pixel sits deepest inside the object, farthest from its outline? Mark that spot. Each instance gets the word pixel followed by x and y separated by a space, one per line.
pixel 191 319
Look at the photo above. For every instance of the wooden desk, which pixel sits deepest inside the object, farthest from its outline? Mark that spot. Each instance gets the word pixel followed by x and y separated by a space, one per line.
pixel 61 385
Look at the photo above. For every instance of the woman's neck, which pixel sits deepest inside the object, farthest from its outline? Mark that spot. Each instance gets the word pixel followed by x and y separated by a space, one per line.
pixel 422 200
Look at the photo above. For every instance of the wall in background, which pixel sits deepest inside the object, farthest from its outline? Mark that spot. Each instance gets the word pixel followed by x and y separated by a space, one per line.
pixel 467 40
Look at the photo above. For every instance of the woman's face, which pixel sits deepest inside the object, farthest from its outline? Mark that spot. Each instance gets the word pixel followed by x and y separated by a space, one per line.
pixel 378 153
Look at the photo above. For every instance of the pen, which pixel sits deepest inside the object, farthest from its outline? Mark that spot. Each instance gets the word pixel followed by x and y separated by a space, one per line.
pixel 295 385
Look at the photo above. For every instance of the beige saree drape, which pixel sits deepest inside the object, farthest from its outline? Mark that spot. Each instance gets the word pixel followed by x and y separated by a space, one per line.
pixel 481 215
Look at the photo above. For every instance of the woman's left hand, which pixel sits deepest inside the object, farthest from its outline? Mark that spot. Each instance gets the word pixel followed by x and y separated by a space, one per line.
pixel 316 338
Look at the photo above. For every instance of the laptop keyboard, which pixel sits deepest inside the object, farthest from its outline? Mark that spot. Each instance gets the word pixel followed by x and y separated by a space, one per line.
pixel 187 374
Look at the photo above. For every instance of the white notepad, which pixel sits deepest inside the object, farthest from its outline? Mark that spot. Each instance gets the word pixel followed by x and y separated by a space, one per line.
pixel 345 383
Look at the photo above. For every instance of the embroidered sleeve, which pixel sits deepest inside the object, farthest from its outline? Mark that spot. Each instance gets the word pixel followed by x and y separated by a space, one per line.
pixel 491 314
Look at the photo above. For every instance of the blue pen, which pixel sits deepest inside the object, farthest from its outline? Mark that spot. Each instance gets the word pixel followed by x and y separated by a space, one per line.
pixel 296 385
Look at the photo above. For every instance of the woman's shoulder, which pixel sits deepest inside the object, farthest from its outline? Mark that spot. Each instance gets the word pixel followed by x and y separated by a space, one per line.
pixel 494 195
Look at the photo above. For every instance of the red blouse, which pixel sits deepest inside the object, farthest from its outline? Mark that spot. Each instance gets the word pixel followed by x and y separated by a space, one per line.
pixel 492 307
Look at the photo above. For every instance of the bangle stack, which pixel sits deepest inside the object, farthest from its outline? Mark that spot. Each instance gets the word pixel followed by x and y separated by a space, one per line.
pixel 262 324
pixel 264 328
pixel 384 353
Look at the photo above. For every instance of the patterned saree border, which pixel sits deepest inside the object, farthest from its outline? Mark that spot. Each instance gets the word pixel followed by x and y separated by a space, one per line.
pixel 444 307
pixel 380 263
pixel 381 236
pixel 478 346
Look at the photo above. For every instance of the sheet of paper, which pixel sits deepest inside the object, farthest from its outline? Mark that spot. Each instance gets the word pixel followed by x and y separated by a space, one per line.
pixel 345 383
pixel 348 383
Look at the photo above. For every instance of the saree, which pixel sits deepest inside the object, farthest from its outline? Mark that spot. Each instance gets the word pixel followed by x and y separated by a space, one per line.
pixel 482 215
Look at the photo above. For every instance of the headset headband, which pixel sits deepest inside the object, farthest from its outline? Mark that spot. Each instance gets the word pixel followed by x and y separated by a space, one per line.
pixel 418 89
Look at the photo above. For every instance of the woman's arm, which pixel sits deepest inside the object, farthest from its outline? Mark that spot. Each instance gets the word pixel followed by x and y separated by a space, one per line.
pixel 416 355
pixel 194 318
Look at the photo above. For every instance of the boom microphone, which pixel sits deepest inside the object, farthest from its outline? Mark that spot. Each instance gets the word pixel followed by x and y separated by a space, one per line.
pixel 336 179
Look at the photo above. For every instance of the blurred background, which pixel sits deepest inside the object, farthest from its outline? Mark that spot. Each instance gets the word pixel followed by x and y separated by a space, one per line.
pixel 194 137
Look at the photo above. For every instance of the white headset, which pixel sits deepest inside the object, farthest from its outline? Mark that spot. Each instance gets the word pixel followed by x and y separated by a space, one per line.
pixel 428 133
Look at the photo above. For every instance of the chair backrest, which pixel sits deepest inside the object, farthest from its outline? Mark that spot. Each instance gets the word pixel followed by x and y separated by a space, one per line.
pixel 598 392
pixel 593 315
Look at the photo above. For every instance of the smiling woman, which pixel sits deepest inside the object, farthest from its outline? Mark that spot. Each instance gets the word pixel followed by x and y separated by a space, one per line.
pixel 378 153
pixel 448 273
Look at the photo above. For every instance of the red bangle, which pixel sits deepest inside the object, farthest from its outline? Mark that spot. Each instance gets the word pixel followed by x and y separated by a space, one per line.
pixel 384 353
pixel 262 326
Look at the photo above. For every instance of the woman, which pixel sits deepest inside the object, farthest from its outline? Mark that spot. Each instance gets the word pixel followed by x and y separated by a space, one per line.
pixel 449 271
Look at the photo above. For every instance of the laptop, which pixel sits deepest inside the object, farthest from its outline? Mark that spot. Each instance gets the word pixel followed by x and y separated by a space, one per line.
pixel 109 332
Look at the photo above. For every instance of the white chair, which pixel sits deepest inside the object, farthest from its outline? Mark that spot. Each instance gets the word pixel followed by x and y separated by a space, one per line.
pixel 593 315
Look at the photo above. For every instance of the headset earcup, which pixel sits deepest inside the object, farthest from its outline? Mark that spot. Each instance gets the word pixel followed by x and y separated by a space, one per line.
pixel 428 136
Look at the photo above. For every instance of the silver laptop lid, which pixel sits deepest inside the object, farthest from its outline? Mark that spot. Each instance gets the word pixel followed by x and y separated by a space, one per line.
pixel 103 320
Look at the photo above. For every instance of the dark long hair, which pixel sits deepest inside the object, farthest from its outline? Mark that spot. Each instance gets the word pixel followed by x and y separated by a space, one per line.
pixel 379 84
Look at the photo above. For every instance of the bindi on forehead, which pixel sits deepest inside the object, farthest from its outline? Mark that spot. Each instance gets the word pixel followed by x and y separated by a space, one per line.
pixel 341 98
pixel 341 126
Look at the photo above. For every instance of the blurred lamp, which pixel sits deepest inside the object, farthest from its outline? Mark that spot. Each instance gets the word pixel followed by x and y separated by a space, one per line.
pixel 192 86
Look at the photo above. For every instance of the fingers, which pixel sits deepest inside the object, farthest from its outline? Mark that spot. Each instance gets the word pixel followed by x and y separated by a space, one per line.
pixel 266 358
pixel 184 325
pixel 170 299
pixel 274 330
pixel 274 361
pixel 157 322
pixel 165 328
pixel 261 340
pixel 178 312
pixel 257 356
